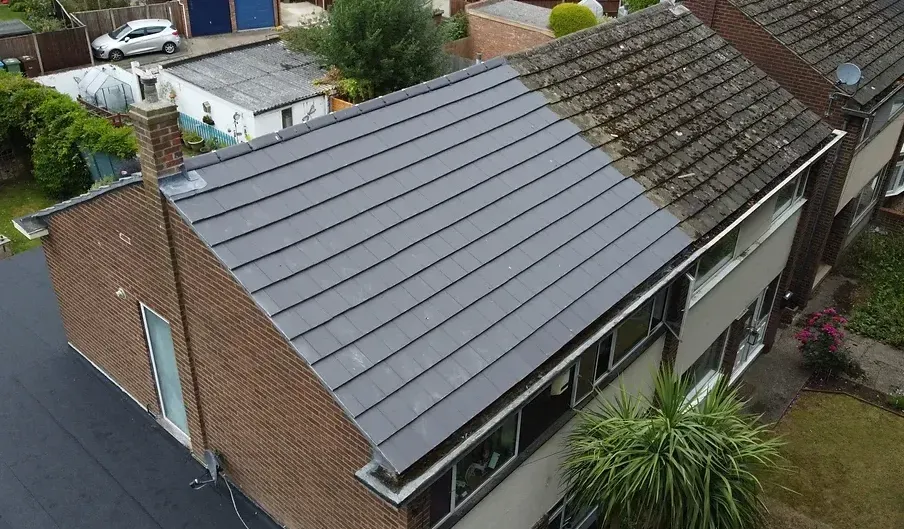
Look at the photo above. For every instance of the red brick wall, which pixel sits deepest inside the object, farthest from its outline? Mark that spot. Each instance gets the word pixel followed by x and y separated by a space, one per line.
pixel 890 218
pixel 285 441
pixel 491 38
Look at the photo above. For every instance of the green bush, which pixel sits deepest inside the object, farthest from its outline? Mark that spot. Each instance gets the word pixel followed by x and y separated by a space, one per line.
pixel 896 402
pixel 568 18
pixel 54 130
pixel 384 45
pixel 637 5
pixel 821 342
pixel 455 27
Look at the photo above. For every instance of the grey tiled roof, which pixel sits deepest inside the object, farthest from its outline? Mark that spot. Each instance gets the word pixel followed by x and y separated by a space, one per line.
pixel 516 11
pixel 677 108
pixel 428 250
pixel 259 77
pixel 826 33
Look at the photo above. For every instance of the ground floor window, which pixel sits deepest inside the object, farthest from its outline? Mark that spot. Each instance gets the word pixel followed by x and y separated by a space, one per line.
pixel 896 182
pixel 702 373
pixel 865 200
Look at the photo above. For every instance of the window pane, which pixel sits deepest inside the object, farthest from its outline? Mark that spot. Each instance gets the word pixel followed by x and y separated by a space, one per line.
pixel 487 457
pixel 659 306
pixel 441 498
pixel 540 413
pixel 716 257
pixel 631 331
pixel 766 306
pixel 605 354
pixel 802 182
pixel 866 196
pixel 708 363
pixel 585 373
pixel 160 341
pixel 783 198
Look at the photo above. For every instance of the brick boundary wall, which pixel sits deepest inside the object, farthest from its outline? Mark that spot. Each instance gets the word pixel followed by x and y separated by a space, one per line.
pixel 890 219
pixel 492 36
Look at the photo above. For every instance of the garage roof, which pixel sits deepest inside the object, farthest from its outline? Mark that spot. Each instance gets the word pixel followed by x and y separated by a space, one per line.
pixel 13 28
pixel 260 77
pixel 428 250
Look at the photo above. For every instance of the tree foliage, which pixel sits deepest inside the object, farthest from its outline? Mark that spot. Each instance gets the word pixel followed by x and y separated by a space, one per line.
pixel 53 129
pixel 381 45
pixel 637 5
pixel 567 18
pixel 663 463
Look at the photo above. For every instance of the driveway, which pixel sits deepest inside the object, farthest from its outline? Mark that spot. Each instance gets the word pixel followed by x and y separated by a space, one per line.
pixel 198 46
pixel 75 452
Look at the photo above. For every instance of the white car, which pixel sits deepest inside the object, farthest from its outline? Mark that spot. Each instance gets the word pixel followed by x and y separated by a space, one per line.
pixel 137 36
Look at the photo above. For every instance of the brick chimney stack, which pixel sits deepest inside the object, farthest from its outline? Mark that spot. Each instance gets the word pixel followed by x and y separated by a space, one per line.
pixel 156 126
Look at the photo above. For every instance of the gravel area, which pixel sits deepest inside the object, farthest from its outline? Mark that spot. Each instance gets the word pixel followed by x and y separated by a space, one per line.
pixel 519 12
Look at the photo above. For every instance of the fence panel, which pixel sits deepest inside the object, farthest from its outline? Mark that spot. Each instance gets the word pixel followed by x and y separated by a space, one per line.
pixel 190 124
pixel 104 21
pixel 65 48
pixel 18 46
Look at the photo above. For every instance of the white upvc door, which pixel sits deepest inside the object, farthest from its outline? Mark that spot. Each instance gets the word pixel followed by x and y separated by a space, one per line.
pixel 755 318
pixel 166 374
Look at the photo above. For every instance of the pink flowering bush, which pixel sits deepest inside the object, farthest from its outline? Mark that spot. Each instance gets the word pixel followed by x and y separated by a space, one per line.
pixel 822 343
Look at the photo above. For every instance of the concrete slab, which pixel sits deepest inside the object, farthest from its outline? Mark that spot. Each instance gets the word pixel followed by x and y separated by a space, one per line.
pixel 297 13
pixel 75 452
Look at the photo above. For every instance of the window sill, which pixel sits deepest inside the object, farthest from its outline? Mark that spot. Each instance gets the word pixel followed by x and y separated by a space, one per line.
pixel 894 192
pixel 700 292
pixel 736 373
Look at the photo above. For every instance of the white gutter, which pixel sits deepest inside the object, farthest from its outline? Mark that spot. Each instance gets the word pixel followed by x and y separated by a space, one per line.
pixel 366 473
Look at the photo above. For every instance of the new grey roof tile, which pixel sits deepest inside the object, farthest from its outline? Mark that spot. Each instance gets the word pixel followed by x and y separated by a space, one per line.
pixel 428 254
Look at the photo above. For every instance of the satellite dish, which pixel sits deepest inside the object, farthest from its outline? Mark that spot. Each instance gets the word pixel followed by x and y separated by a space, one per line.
pixel 848 74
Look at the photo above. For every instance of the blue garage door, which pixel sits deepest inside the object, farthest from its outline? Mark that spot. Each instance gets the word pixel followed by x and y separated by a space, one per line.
pixel 254 14
pixel 209 17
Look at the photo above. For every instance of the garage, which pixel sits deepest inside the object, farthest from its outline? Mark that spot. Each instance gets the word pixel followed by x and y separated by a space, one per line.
pixel 254 14
pixel 209 17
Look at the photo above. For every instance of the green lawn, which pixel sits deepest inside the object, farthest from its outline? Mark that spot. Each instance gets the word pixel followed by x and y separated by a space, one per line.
pixel 18 199
pixel 877 261
pixel 846 459
pixel 8 14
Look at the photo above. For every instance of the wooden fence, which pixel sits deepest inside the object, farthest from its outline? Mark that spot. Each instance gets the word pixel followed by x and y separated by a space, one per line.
pixel 55 50
pixel 106 20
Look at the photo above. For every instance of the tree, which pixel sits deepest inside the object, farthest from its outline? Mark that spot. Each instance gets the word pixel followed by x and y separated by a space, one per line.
pixel 379 46
pixel 664 463
pixel 637 5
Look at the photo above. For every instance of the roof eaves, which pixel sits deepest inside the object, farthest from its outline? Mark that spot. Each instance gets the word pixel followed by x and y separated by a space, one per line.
pixel 34 225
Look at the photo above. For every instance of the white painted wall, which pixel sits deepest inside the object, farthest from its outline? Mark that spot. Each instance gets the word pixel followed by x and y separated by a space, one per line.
pixel 870 159
pixel 727 299
pixel 67 82
pixel 190 101
pixel 272 121
pixel 533 488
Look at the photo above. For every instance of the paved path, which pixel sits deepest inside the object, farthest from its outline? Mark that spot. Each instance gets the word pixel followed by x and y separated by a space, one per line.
pixel 75 453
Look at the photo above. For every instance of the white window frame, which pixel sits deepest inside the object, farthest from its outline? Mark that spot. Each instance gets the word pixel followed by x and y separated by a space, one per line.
pixel 168 425
pixel 702 387
pixel 800 185
pixel 858 217
pixel 453 506
pixel 896 182
pixel 699 283
pixel 559 509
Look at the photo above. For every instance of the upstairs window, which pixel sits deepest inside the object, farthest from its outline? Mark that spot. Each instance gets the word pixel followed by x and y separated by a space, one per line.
pixel 714 259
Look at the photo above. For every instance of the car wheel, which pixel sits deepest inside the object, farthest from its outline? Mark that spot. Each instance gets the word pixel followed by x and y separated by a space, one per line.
pixel 169 48
pixel 116 55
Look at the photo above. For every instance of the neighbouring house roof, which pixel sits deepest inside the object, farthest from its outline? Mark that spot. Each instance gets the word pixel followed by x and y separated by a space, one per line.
pixel 824 34
pixel 515 11
pixel 259 77
pixel 426 251
pixel 13 28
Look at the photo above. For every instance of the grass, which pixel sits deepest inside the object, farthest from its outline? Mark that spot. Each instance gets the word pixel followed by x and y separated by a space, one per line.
pixel 846 463
pixel 877 261
pixel 18 199
pixel 8 14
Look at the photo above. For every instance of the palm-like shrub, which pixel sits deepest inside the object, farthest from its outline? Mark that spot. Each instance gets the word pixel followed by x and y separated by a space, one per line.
pixel 665 463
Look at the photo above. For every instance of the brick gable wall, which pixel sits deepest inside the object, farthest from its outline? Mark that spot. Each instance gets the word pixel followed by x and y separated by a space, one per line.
pixel 285 441
pixel 491 37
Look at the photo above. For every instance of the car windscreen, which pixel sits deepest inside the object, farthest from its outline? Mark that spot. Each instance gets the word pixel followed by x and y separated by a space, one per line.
pixel 120 31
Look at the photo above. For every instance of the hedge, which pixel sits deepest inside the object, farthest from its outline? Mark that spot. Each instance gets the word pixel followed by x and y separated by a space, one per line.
pixel 568 18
